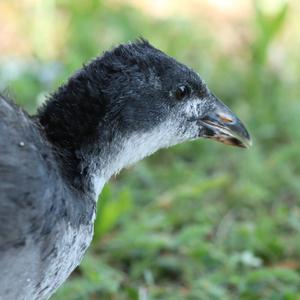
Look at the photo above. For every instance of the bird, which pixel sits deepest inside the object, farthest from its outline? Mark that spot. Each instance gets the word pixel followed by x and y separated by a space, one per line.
pixel 122 106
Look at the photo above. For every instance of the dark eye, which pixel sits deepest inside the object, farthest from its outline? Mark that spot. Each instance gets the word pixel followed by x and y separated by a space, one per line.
pixel 182 91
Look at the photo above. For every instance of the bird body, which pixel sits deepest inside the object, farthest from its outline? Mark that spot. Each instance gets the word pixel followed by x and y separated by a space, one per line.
pixel 116 110
pixel 43 221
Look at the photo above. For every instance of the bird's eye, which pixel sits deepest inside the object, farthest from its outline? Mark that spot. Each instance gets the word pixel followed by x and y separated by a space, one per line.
pixel 182 91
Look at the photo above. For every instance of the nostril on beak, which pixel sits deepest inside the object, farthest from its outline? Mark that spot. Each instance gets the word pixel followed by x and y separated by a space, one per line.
pixel 225 118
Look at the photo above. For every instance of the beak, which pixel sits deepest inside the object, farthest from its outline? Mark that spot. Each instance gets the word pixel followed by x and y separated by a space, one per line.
pixel 222 125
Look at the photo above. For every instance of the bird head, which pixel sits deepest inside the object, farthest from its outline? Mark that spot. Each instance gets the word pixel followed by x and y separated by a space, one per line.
pixel 130 102
pixel 163 102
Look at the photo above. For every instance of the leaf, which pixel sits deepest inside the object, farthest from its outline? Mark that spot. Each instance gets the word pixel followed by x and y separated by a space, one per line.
pixel 110 210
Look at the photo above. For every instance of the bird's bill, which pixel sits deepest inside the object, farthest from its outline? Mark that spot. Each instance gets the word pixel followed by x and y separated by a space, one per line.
pixel 223 126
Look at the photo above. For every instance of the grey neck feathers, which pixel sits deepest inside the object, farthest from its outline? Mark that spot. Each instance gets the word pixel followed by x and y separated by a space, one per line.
pixel 124 151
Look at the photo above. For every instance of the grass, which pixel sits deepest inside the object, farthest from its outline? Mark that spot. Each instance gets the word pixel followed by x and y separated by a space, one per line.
pixel 201 220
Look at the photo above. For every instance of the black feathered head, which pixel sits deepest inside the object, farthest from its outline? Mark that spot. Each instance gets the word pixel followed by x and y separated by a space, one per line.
pixel 145 89
pixel 137 99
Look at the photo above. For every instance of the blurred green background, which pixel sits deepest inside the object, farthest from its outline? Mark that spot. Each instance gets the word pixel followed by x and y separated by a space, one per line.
pixel 201 220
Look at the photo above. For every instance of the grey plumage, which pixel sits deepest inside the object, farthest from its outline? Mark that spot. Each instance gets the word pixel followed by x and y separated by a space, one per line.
pixel 39 225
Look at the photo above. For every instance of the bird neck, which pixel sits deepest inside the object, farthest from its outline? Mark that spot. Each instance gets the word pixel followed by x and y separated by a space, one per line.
pixel 70 121
pixel 89 129
pixel 90 148
pixel 88 144
pixel 122 151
